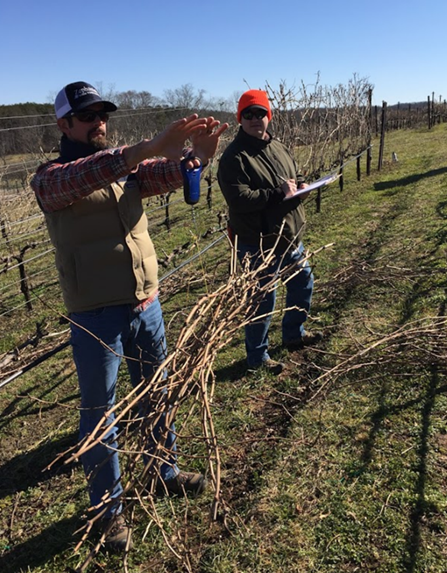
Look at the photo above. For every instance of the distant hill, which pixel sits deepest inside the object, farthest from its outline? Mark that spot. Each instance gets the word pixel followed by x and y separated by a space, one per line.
pixel 413 105
pixel 28 108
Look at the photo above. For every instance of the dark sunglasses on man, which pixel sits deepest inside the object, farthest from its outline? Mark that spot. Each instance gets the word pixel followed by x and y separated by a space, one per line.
pixel 254 114
pixel 90 116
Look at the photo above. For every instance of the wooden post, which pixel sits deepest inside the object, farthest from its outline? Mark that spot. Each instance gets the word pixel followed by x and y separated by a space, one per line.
pixel 340 173
pixel 359 174
pixel 429 112
pixel 368 142
pixel 382 136
pixel 368 160
pixel 167 221
pixel 209 180
pixel 318 200
pixel 433 118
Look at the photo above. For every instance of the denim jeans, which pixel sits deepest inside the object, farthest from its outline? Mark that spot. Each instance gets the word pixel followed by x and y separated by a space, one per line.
pixel 298 294
pixel 129 332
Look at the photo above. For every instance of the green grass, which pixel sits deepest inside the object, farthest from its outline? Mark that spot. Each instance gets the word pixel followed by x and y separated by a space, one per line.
pixel 349 479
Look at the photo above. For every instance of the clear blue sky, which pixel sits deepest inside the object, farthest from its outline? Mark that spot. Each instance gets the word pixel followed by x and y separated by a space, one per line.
pixel 223 46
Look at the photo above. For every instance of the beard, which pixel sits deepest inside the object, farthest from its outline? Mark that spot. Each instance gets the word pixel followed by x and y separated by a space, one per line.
pixel 99 141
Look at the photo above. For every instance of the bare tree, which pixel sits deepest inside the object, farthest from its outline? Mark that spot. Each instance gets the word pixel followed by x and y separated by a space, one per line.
pixel 322 125
pixel 185 96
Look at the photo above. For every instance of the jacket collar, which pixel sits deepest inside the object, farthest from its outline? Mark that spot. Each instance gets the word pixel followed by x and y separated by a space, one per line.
pixel 72 150
pixel 253 142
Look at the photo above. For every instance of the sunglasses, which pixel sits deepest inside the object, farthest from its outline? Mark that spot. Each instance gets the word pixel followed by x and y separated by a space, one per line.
pixel 258 114
pixel 90 116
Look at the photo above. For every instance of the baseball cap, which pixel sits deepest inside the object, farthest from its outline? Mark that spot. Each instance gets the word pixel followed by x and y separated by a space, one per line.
pixel 77 96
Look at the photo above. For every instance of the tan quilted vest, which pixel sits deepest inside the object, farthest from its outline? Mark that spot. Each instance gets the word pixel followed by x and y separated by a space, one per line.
pixel 104 254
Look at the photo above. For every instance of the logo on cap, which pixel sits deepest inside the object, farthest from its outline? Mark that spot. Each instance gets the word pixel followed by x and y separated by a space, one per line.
pixel 82 92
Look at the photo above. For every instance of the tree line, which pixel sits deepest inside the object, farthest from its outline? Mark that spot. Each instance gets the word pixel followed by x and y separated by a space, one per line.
pixel 323 125
pixel 31 127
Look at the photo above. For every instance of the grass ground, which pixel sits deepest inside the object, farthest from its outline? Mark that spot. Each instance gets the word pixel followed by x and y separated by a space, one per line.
pixel 338 465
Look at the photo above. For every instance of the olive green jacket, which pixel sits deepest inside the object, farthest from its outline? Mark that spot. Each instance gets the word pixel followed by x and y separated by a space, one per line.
pixel 250 173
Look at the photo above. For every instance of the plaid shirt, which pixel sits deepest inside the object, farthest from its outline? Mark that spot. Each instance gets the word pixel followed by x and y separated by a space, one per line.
pixel 58 185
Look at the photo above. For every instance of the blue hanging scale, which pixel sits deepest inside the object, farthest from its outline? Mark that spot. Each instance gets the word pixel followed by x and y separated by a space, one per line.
pixel 191 182
pixel 191 186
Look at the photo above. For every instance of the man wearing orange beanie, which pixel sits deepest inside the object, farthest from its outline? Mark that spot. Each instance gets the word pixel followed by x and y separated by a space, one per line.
pixel 256 174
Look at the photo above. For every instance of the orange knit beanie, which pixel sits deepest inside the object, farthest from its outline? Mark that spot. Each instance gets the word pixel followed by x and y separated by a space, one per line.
pixel 257 98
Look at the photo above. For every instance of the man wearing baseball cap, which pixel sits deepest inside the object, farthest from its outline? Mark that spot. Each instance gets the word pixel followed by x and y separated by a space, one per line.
pixel 76 97
pixel 92 200
pixel 259 178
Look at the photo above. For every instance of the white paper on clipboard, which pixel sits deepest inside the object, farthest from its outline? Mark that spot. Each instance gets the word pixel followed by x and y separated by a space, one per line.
pixel 314 185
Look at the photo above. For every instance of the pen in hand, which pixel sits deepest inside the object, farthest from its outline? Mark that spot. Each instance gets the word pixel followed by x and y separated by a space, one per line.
pixel 289 187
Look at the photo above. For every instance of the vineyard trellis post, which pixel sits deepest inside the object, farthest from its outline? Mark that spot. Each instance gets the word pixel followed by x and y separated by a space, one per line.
pixel 369 127
pixel 429 112
pixel 318 200
pixel 376 120
pixel 167 221
pixel 209 196
pixel 433 115
pixel 340 175
pixel 382 136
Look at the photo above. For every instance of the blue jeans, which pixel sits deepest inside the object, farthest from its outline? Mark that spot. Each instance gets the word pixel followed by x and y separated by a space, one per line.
pixel 299 294
pixel 129 332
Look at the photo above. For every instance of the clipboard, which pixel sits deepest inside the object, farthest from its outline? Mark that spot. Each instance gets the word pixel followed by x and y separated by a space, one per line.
pixel 315 185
